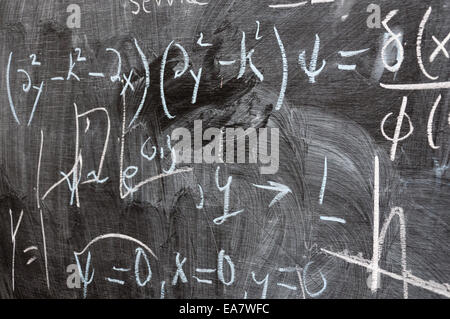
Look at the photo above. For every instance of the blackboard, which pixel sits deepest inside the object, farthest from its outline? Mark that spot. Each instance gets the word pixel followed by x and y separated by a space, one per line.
pixel 224 149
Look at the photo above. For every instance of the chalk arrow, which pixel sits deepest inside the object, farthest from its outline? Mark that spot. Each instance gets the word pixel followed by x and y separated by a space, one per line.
pixel 282 190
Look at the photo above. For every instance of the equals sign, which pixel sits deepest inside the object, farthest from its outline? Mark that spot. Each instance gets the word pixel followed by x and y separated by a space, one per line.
pixel 32 259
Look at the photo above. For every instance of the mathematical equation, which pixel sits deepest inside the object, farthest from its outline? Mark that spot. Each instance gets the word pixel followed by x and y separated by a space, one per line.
pixel 311 63
pixel 225 271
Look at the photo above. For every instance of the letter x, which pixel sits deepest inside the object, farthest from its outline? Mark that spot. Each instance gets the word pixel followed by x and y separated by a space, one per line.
pixel 180 271
pixel 127 83
pixel 440 47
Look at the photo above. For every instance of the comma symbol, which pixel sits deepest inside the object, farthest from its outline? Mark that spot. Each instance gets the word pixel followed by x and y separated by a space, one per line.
pixel 74 20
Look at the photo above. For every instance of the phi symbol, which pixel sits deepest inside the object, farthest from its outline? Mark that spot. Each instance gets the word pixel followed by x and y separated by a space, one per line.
pixel 397 138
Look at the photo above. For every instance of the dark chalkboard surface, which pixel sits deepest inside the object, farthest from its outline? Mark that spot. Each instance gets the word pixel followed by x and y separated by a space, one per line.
pixel 224 149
